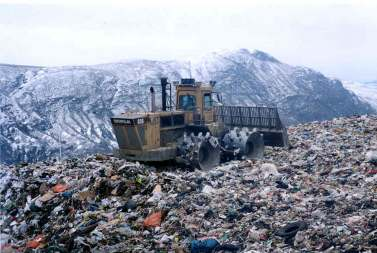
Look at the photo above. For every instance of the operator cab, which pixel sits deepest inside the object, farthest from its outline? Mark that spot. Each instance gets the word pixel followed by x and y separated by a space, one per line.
pixel 195 98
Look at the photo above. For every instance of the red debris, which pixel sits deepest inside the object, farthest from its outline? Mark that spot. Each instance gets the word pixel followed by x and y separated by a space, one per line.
pixel 36 243
pixel 372 172
pixel 153 220
pixel 59 188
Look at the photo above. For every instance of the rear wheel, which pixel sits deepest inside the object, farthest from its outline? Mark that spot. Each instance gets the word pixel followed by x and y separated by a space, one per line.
pixel 200 151
pixel 208 155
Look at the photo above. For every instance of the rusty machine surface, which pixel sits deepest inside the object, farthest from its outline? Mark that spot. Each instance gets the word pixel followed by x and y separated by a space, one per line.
pixel 195 130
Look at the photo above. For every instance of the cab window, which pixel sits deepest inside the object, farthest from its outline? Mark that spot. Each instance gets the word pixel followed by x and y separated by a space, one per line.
pixel 187 102
pixel 207 101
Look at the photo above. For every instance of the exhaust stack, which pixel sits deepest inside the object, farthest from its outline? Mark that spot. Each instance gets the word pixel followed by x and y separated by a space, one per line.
pixel 153 100
pixel 164 82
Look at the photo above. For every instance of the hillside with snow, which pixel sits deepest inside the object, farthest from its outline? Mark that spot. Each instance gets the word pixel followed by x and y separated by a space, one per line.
pixel 45 111
pixel 366 91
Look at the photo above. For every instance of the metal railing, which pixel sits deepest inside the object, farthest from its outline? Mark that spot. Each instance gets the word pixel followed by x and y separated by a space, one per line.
pixel 245 116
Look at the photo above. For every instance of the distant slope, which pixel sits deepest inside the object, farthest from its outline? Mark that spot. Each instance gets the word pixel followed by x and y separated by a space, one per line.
pixel 302 94
pixel 43 110
pixel 367 91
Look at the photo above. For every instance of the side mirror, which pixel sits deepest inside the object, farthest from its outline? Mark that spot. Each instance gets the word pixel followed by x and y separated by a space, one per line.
pixel 218 96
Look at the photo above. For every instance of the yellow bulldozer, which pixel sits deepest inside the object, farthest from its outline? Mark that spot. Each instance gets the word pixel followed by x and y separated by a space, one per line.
pixel 196 129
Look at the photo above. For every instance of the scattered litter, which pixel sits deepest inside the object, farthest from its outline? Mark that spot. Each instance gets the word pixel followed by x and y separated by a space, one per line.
pixel 371 156
pixel 319 195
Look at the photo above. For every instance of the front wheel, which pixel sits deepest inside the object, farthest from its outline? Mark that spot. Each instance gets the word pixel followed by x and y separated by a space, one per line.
pixel 242 143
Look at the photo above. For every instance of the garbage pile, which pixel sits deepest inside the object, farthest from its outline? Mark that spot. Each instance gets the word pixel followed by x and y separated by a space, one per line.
pixel 318 195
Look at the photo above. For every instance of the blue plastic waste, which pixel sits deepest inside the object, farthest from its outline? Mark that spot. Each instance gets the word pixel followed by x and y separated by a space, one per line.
pixel 67 194
pixel 204 246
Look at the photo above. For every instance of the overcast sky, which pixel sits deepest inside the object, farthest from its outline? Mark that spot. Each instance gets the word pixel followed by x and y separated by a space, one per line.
pixel 338 38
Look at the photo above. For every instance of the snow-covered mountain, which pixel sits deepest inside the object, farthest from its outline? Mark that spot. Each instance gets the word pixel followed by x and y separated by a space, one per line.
pixel 365 90
pixel 48 110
